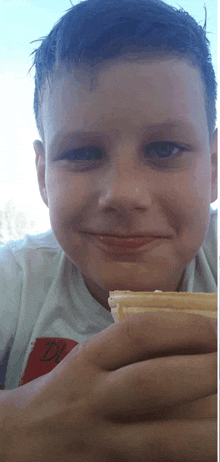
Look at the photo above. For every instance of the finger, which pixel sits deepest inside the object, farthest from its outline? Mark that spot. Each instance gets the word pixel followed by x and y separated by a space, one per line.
pixel 202 409
pixel 148 335
pixel 175 441
pixel 146 387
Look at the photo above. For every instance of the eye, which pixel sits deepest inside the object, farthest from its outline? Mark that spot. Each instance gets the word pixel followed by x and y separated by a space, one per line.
pixel 164 149
pixel 88 153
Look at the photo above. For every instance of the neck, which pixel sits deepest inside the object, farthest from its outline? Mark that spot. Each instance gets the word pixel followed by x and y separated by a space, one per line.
pixel 101 295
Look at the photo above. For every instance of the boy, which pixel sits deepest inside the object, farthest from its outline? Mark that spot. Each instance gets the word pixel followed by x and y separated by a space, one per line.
pixel 127 167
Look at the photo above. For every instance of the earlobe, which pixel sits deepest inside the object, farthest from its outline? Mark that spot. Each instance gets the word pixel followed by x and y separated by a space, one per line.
pixel 214 164
pixel 40 167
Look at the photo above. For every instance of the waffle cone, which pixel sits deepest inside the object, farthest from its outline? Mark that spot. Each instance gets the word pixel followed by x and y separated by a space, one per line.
pixel 125 303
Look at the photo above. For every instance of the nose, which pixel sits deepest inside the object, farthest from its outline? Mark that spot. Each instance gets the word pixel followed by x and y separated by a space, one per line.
pixel 125 186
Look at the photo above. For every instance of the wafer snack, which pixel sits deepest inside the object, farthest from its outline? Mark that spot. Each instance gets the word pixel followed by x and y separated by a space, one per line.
pixel 124 303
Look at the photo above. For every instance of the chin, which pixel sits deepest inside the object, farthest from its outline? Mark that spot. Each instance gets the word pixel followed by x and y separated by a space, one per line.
pixel 137 278
pixel 129 283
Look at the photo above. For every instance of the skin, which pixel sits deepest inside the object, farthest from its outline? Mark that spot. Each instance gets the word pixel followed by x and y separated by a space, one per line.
pixel 124 102
pixel 146 386
pixel 145 391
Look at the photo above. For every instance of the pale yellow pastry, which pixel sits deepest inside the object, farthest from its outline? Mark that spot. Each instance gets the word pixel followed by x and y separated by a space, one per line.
pixel 124 303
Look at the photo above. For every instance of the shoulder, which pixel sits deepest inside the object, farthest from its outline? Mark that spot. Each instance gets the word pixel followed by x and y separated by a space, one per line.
pixel 37 241
pixel 18 251
pixel 214 219
pixel 25 260
pixel 210 241
pixel 207 257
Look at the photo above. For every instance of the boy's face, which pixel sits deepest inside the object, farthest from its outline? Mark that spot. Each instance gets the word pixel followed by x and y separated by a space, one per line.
pixel 126 187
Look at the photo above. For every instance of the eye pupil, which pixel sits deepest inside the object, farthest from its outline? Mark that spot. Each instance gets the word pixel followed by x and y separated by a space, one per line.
pixel 161 150
pixel 86 153
pixel 165 150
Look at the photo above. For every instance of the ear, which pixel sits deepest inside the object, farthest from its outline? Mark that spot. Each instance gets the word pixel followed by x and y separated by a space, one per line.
pixel 40 166
pixel 214 164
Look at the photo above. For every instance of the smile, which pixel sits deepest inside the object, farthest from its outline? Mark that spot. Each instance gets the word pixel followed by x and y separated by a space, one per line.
pixel 125 245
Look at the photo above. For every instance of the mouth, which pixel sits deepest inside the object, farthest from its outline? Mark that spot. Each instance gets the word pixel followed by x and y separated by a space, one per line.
pixel 125 244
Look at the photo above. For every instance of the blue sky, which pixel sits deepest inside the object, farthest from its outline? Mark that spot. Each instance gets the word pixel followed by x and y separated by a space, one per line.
pixel 22 21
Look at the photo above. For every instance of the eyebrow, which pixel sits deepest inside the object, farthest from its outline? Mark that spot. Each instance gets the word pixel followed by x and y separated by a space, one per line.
pixel 71 136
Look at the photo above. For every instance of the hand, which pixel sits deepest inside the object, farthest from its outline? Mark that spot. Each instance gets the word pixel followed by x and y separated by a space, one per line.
pixel 132 393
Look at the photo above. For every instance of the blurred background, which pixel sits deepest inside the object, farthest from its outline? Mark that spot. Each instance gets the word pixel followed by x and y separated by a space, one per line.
pixel 22 210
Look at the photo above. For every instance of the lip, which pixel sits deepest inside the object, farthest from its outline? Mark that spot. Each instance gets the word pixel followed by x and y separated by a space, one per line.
pixel 125 244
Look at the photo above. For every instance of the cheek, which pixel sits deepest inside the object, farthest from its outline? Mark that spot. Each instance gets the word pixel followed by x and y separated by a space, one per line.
pixel 191 190
pixel 199 186
pixel 193 204
pixel 66 194
pixel 186 205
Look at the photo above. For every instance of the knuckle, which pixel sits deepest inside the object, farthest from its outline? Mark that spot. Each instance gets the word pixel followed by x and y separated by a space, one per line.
pixel 132 327
pixel 157 446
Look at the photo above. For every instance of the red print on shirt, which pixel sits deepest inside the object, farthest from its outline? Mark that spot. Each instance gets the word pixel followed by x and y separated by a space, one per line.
pixel 46 353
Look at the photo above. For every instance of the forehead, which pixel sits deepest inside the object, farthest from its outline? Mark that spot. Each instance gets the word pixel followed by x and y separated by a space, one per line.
pixel 136 91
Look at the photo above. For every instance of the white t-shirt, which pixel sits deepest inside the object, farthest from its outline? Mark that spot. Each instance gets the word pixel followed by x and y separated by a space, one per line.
pixel 46 308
